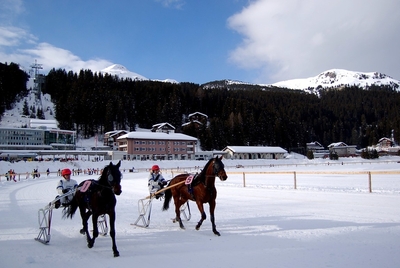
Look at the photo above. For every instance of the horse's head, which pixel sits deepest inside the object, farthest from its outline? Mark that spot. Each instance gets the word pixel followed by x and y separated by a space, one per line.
pixel 114 177
pixel 219 170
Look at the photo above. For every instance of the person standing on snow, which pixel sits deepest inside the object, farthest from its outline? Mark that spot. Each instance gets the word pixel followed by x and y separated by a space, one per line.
pixel 64 186
pixel 156 181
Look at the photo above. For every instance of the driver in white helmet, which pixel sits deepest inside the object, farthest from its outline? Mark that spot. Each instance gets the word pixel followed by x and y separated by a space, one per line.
pixel 156 181
pixel 64 186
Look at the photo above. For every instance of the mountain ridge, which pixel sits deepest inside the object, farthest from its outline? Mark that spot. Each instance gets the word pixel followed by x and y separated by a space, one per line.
pixel 340 77
pixel 333 78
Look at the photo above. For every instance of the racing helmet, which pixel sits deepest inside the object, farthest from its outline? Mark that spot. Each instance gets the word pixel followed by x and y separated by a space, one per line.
pixel 155 167
pixel 65 171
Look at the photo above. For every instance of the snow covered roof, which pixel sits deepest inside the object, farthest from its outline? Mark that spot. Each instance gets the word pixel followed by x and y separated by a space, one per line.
pixel 41 123
pixel 160 125
pixel 337 144
pixel 255 149
pixel 314 143
pixel 197 113
pixel 384 139
pixel 115 132
pixel 194 121
pixel 156 136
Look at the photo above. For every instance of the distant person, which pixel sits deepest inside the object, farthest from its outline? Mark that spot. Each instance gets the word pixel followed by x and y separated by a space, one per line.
pixel 48 172
pixel 65 185
pixel 156 181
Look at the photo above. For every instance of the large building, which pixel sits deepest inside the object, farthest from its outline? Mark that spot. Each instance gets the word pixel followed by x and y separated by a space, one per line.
pixel 110 138
pixel 157 145
pixel 37 139
pixel 254 152
pixel 342 149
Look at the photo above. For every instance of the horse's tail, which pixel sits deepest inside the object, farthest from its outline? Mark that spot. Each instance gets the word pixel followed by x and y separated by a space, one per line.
pixel 167 199
pixel 70 208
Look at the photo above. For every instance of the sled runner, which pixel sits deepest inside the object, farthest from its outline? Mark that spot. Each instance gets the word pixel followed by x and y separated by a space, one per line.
pixel 45 215
pixel 145 204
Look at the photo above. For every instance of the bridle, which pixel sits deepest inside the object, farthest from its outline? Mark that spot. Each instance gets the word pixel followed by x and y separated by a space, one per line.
pixel 217 167
pixel 110 180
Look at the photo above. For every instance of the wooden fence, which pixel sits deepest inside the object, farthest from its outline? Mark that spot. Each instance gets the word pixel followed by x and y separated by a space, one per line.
pixel 295 173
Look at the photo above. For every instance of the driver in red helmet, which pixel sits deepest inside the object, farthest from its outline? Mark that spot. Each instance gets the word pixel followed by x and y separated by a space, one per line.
pixel 156 181
pixel 64 186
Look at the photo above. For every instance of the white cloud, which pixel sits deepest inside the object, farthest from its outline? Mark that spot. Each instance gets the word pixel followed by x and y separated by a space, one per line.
pixel 301 38
pixel 54 57
pixel 178 4
pixel 19 46
pixel 9 8
pixel 13 36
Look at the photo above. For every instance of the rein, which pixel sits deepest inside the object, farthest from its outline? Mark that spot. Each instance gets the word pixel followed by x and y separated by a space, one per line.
pixel 96 182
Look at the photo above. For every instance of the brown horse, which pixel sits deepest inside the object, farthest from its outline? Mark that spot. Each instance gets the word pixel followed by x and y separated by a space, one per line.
pixel 202 190
pixel 97 200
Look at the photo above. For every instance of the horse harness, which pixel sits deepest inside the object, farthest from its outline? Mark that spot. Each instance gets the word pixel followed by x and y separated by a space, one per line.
pixel 94 186
pixel 196 181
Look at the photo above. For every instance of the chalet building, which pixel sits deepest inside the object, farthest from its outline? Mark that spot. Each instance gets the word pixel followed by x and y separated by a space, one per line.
pixel 110 138
pixel 387 146
pixel 197 119
pixel 384 144
pixel 197 116
pixel 163 127
pixel 314 146
pixel 318 150
pixel 254 152
pixel 342 149
pixel 157 145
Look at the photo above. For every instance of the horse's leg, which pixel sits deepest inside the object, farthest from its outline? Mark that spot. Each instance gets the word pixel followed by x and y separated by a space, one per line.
pixel 112 233
pixel 212 209
pixel 203 214
pixel 95 216
pixel 178 202
pixel 85 217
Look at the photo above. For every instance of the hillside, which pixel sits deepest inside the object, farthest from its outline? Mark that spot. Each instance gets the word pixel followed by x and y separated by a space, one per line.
pixel 335 78
pixel 238 113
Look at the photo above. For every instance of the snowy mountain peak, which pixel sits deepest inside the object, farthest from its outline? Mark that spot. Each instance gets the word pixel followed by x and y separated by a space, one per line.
pixel 116 67
pixel 338 78
pixel 122 72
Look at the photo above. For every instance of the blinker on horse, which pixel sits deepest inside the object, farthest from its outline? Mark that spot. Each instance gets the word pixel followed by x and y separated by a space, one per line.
pixel 202 190
pixel 97 200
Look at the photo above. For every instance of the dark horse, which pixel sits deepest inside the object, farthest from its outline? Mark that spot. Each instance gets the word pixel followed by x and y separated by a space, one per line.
pixel 97 200
pixel 202 190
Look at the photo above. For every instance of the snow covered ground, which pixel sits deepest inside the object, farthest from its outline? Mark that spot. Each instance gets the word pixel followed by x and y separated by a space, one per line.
pixel 330 220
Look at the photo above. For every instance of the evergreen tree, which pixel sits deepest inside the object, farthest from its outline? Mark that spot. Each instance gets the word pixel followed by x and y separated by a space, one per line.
pixel 310 155
pixel 25 108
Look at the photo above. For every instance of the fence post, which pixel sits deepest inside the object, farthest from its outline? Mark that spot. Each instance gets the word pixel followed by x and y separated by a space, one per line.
pixel 244 179
pixel 369 181
pixel 295 181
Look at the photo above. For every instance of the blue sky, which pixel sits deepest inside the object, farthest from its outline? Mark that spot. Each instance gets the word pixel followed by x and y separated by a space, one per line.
pixel 256 41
